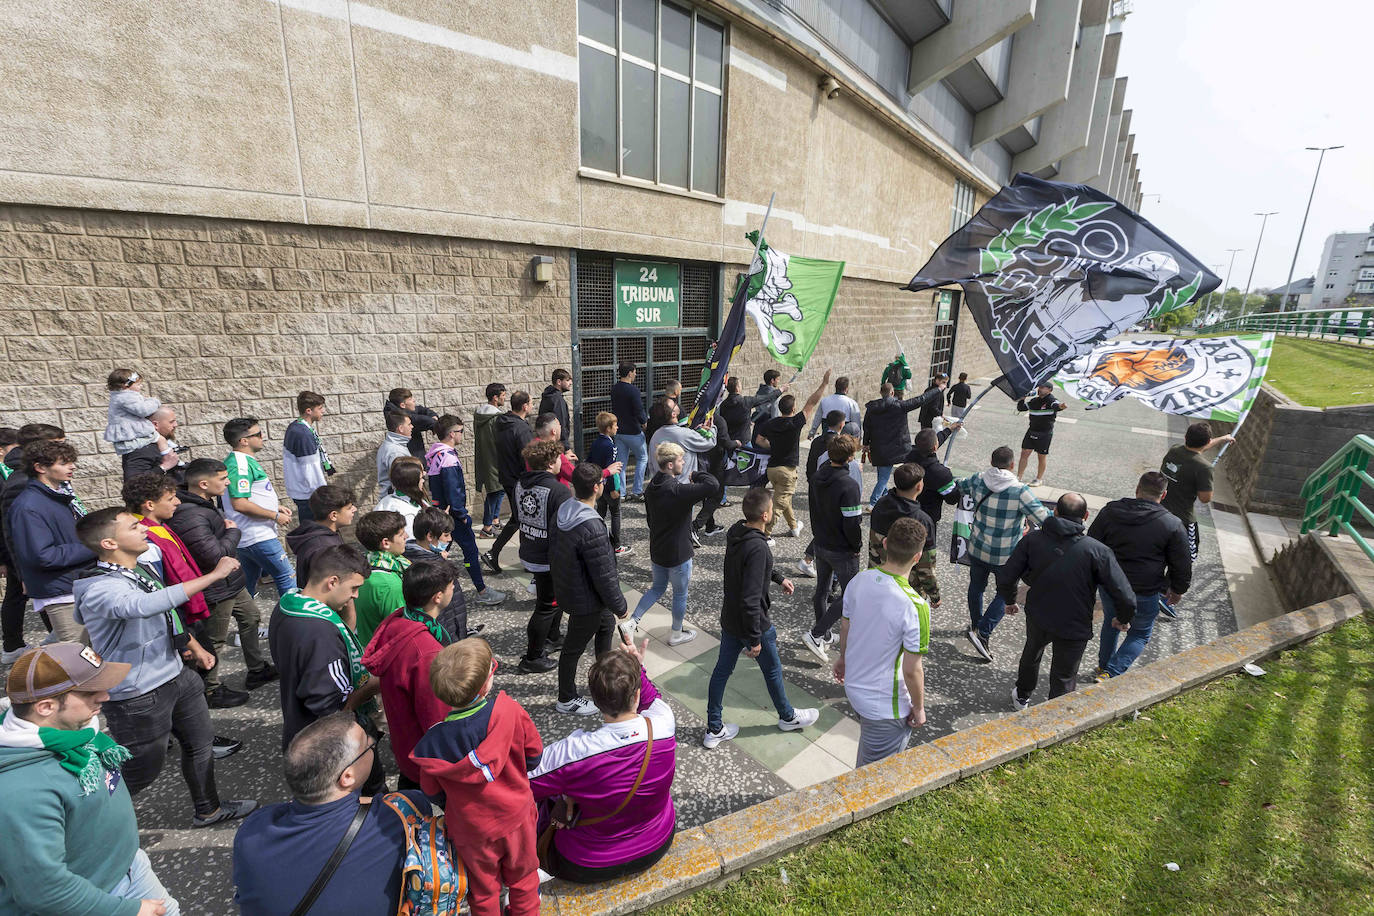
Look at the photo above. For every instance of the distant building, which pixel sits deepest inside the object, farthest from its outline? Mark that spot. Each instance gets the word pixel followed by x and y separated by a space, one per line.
pixel 1347 270
pixel 1296 296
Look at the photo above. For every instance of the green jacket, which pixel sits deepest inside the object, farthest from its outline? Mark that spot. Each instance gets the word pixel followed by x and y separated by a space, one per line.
pixel 62 852
pixel 486 475
pixel 897 373
pixel 379 596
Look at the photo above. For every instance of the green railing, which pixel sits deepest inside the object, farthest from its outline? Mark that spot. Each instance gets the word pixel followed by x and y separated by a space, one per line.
pixel 1331 496
pixel 1355 324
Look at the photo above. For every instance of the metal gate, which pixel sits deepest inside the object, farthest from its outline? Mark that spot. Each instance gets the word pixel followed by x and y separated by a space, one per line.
pixel 662 354
pixel 943 334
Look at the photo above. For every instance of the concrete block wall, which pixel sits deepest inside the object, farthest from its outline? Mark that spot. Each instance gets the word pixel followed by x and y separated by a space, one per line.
pixel 230 318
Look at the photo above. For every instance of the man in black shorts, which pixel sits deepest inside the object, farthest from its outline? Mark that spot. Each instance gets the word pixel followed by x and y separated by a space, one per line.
pixel 1190 478
pixel 1043 409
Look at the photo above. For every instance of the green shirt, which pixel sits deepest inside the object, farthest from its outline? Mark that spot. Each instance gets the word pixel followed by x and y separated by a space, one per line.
pixel 379 596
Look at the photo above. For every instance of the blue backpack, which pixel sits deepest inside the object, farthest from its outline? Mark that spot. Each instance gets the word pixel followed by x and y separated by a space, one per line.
pixel 433 882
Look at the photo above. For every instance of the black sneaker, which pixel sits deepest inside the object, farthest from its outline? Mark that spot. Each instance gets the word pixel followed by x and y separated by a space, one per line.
pixel 490 563
pixel 712 529
pixel 538 665
pixel 227 811
pixel 554 640
pixel 260 677
pixel 226 697
pixel 224 747
pixel 1166 610
pixel 475 628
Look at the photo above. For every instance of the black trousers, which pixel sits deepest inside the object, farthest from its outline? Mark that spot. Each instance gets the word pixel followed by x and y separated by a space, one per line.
pixel 12 610
pixel 1064 659
pixel 707 514
pixel 508 530
pixel 582 629
pixel 544 620
pixel 844 566
pixel 609 504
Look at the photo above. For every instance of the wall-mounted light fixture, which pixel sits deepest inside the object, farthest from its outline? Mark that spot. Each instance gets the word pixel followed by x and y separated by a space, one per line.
pixel 830 87
pixel 542 266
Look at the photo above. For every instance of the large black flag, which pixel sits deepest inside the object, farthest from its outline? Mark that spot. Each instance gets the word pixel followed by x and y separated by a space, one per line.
pixel 1050 269
pixel 712 390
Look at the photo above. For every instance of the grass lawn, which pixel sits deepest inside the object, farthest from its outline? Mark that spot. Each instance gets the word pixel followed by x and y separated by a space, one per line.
pixel 1260 789
pixel 1319 373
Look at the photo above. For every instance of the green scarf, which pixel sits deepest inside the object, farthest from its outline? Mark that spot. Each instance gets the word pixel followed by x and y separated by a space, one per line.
pixel 466 710
pixel 85 753
pixel 435 628
pixel 294 604
pixel 387 562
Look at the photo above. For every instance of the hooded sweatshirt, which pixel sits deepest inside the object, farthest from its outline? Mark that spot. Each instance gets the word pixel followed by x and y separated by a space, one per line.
pixel 668 505
pixel 582 563
pixel 1000 500
pixel 486 476
pixel 885 427
pixel 479 757
pixel 63 850
pixel 446 481
pixel 129 622
pixel 538 497
pixel 307 542
pixel 512 434
pixel 838 512
pixel 1149 542
pixel 747 571
pixel 400 654
pixel 394 445
pixel 552 401
pixel 695 446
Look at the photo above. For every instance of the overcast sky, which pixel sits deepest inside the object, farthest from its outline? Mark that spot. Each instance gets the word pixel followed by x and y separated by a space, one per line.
pixel 1226 94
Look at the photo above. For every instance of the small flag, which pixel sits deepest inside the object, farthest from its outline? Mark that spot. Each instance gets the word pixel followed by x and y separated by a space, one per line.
pixel 1049 270
pixel 1213 378
pixel 790 300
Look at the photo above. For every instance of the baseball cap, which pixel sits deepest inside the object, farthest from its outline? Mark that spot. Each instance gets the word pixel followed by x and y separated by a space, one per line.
pixel 57 668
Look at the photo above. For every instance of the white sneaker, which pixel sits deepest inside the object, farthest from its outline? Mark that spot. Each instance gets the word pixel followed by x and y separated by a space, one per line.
pixel 532 588
pixel 1037 481
pixel 817 647
pixel 771 543
pixel 1016 702
pixel 806 570
pixel 10 656
pixel 795 532
pixel 678 637
pixel 801 718
pixel 832 640
pixel 235 640
pixel 711 739
pixel 577 706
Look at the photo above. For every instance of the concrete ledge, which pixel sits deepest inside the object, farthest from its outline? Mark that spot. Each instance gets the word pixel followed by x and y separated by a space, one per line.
pixel 719 850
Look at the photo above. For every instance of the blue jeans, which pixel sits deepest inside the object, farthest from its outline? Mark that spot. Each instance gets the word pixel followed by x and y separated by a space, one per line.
pixel 303 513
pixel 879 488
pixel 491 507
pixel 140 883
pixel 983 621
pixel 678 575
pixel 769 663
pixel 1116 659
pixel 467 542
pixel 267 557
pixel 634 446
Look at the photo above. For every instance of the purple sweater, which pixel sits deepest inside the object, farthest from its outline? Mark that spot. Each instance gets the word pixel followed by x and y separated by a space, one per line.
pixel 597 769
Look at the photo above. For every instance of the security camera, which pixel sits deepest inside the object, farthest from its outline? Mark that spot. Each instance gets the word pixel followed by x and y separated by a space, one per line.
pixel 830 87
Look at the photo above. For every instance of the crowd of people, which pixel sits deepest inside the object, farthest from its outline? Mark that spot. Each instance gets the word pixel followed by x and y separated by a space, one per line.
pixel 138 600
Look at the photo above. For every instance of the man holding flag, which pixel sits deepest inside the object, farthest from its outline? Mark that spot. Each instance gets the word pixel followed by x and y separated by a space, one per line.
pixel 783 433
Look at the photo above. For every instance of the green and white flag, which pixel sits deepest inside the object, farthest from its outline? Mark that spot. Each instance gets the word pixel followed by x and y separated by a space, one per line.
pixel 790 299
pixel 1212 378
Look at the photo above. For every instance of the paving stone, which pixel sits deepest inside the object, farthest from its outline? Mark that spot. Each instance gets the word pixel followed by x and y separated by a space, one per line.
pixel 691 861
pixel 983 746
pixel 746 837
pixel 890 782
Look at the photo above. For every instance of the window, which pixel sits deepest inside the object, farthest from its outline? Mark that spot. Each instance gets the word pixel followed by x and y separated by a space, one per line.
pixel 962 209
pixel 1369 243
pixel 651 94
pixel 1333 273
pixel 1367 273
pixel 1364 287
pixel 1329 286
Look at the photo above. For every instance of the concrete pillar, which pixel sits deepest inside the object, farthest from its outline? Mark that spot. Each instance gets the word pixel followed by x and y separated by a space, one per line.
pixel 1121 177
pixel 1103 181
pixel 1041 62
pixel 974 26
pixel 1082 167
pixel 1066 127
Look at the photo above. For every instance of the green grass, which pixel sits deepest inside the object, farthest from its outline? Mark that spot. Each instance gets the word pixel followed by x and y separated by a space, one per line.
pixel 1261 789
pixel 1319 373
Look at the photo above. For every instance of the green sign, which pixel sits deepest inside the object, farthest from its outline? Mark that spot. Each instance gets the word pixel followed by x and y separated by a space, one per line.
pixel 944 301
pixel 648 294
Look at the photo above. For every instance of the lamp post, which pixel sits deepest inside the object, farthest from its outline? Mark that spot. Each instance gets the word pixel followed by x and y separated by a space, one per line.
pixel 1244 300
pixel 1211 297
pixel 1226 284
pixel 1321 154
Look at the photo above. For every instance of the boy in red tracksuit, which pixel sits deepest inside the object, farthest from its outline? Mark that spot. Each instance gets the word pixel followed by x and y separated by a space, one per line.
pixel 479 757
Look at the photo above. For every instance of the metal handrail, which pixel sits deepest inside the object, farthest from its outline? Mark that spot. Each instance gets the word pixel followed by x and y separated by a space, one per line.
pixel 1331 496
pixel 1353 323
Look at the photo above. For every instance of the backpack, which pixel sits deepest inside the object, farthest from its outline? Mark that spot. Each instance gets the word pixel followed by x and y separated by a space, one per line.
pixel 433 881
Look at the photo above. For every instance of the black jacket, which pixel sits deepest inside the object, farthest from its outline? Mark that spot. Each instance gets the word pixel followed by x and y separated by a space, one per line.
pixel 959 394
pixel 736 409
pixel 1149 542
pixel 627 403
pixel 306 542
pixel 933 408
pixel 552 401
pixel 200 525
pixel 937 487
pixel 1063 591
pixel 538 497
pixel 885 430
pixel 668 506
pixel 582 562
pixel 148 460
pixel 512 434
pixel 747 571
pixel 455 616
pixel 422 419
pixel 893 506
pixel 313 662
pixel 10 489
pixel 837 515
pixel 817 456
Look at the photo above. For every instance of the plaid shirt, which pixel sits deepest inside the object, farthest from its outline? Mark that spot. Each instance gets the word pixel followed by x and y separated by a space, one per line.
pixel 997 521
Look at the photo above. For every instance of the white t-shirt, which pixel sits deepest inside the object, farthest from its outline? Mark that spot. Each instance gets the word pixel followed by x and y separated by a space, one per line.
pixel 887 619
pixel 248 480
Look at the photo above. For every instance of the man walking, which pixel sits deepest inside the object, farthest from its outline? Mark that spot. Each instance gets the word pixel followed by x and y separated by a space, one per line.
pixel 486 476
pixel 737 409
pixel 538 497
pixel 838 520
pixel 627 403
pixel 449 489
pixel 959 396
pixel 1189 478
pixel 162 454
pixel 886 437
pixel 1151 547
pixel 402 401
pixel 511 434
pixel 784 441
pixel 841 401
pixel 1064 569
pixel 817 455
pixel 1043 408
pixel 745 624
pixel 765 403
pixel 305 465
pixel 937 482
pixel 1001 505
pixel 935 407
pixel 553 401
pixel 254 507
pixel 903 501
pixel 886 628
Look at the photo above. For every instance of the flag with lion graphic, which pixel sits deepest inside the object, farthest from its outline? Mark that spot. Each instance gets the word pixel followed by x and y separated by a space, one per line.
pixel 1213 378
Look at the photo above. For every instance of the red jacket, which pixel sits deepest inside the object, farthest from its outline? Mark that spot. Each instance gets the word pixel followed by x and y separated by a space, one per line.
pixel 487 789
pixel 400 654
pixel 177 565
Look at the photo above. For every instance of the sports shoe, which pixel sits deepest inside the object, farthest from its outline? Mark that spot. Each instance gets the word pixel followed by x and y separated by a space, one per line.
pixel 678 637
pixel 1037 481
pixel 224 747
pixel 696 538
pixel 711 740
pixel 225 697
pixel 712 529
pixel 1101 674
pixel 262 637
pixel 260 677
pixel 795 531
pixel 490 563
pixel 624 550
pixel 577 706
pixel 817 646
pixel 801 718
pixel 537 665
pixel 227 811
pixel 771 542
pixel 10 656
pixel 832 639
pixel 554 640
pixel 1017 703
pixel 979 644
pixel 490 596
pixel 475 628
pixel 531 588
pixel 1166 610
pixel 487 533
pixel 806 569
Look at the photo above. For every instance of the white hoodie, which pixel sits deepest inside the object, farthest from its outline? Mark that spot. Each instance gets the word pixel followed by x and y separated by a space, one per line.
pixel 998 479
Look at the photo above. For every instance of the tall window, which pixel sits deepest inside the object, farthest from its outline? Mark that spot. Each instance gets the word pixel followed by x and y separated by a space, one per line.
pixel 651 94
pixel 962 209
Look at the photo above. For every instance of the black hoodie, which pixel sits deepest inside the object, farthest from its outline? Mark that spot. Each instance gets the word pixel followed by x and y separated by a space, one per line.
pixel 837 516
pixel 512 433
pixel 10 489
pixel 747 570
pixel 200 525
pixel 537 498
pixel 552 401
pixel 1064 568
pixel 1149 542
pixel 885 428
pixel 421 419
pixel 668 505
pixel 938 484
pixel 306 542
pixel 893 506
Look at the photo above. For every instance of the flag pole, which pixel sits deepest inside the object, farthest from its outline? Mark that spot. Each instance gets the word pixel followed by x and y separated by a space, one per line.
pixel 964 419
pixel 1236 429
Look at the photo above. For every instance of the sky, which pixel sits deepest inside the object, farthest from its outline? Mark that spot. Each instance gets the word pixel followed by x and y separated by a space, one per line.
pixel 1226 94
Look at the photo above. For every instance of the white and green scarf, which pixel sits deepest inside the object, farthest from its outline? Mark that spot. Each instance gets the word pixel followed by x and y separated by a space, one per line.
pixel 295 604
pixel 86 753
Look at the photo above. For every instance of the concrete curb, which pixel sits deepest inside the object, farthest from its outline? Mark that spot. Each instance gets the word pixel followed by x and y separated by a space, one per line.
pixel 723 848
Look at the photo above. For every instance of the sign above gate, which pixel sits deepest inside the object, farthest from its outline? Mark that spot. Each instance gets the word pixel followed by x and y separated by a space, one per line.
pixel 648 294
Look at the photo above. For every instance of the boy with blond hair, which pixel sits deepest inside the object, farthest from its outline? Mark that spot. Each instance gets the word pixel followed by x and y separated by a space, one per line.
pixel 604 453
pixel 479 757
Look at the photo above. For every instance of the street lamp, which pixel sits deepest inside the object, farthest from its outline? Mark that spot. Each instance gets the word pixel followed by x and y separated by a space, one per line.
pixel 1244 300
pixel 1321 154
pixel 1211 303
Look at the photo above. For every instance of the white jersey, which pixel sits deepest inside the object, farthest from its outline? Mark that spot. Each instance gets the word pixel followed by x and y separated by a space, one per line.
pixel 887 619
